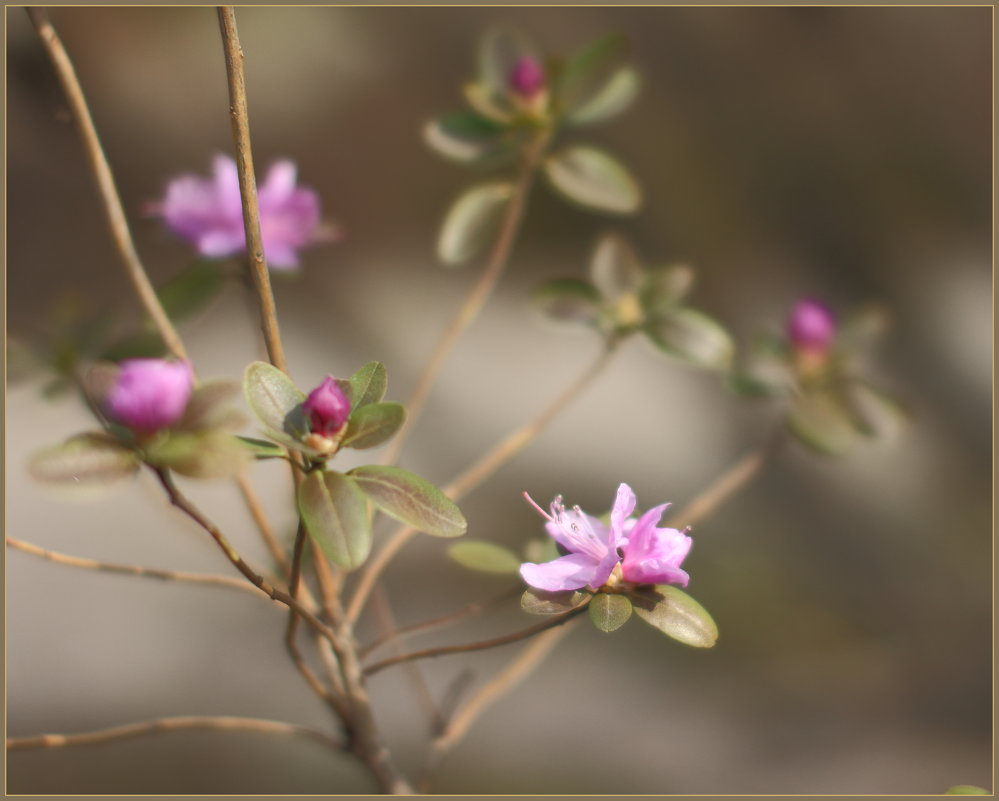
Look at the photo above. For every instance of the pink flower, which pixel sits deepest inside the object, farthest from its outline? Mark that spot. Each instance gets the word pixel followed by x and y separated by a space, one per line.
pixel 149 394
pixel 327 407
pixel 209 213
pixel 527 77
pixel 646 554
pixel 811 325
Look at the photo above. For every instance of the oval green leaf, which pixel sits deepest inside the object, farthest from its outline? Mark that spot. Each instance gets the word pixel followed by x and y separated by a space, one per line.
pixel 966 789
pixel 210 407
pixel 568 300
pixel 665 287
pixel 487 557
pixel 539 602
pixel 463 136
pixel 271 395
pixel 676 614
pixel 609 100
pixel 614 267
pixel 593 179
pixel 823 423
pixel 608 612
pixel 262 448
pixel 693 337
pixel 371 425
pixel 410 499
pixel 368 385
pixel 472 222
pixel 86 458
pixel 335 514
pixel 200 454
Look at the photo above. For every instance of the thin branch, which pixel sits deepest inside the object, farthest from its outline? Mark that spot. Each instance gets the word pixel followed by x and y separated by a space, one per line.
pixel 474 475
pixel 131 570
pixel 481 645
pixel 105 182
pixel 161 725
pixel 487 695
pixel 248 186
pixel 476 299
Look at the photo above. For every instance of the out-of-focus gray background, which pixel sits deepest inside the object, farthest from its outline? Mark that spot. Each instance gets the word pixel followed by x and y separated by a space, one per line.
pixel 838 152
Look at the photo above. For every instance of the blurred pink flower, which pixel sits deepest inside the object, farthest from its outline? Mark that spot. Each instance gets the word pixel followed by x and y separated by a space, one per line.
pixel 650 555
pixel 811 325
pixel 527 77
pixel 327 407
pixel 208 212
pixel 149 394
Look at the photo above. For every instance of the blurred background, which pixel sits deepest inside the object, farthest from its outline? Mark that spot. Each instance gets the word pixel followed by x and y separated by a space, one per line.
pixel 842 153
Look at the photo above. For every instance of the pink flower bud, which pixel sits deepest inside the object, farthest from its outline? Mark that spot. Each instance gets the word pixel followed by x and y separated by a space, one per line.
pixel 149 394
pixel 811 325
pixel 327 408
pixel 527 77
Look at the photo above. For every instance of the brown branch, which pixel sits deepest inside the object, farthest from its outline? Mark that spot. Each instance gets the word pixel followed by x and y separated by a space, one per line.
pixel 161 725
pixel 476 299
pixel 239 117
pixel 481 645
pixel 132 570
pixel 105 182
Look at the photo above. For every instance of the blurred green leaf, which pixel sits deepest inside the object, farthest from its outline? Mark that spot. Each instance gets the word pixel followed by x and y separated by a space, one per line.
pixel 463 136
pixel 200 454
pixel 410 499
pixel 368 385
pixel 594 179
pixel 335 514
pixel 617 93
pixel 614 267
pixel 371 425
pixel 587 71
pixel 665 287
pixel 472 222
pixel 568 300
pixel 191 290
pixel 271 396
pixel 143 345
pixel 820 421
pixel 608 612
pixel 210 406
pixel 262 448
pixel 539 602
pixel 86 458
pixel 966 789
pixel 693 337
pixel 541 550
pixel 487 557
pixel 676 614
pixel 875 413
pixel 491 105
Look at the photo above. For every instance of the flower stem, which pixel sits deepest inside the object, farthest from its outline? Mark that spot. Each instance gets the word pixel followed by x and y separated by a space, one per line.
pixel 160 725
pixel 476 299
pixel 105 182
pixel 481 645
pixel 239 117
pixel 474 475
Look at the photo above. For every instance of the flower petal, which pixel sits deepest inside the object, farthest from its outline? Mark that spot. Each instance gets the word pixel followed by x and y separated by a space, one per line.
pixel 624 505
pixel 570 572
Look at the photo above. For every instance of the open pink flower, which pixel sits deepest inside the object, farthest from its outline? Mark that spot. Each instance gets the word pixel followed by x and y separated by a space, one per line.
pixel 647 554
pixel 208 212
pixel 149 394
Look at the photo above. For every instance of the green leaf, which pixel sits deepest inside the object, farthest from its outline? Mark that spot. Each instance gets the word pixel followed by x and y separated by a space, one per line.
pixel 874 413
pixel 210 407
pixel 539 602
pixel 966 789
pixel 693 337
pixel 820 421
pixel 664 288
pixel 192 290
pixel 541 550
pixel 611 99
pixel 93 458
pixel 271 396
pixel 371 425
pixel 335 515
pixel 463 136
pixel 487 557
pixel 676 614
pixel 593 179
pixel 410 499
pixel 586 73
pixel 491 105
pixel 614 267
pixel 262 448
pixel 145 344
pixel 568 300
pixel 472 222
pixel 608 612
pixel 368 385
pixel 200 454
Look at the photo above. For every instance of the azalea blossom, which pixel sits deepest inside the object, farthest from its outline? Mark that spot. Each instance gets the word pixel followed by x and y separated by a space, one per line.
pixel 630 550
pixel 811 325
pixel 208 212
pixel 149 394
pixel 327 408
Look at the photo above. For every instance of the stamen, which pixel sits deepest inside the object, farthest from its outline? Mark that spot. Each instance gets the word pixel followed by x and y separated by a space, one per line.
pixel 541 511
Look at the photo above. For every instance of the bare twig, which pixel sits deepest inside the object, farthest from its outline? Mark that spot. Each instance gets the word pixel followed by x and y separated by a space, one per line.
pixel 474 475
pixel 480 293
pixel 161 725
pixel 105 182
pixel 481 645
pixel 132 570
pixel 248 185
